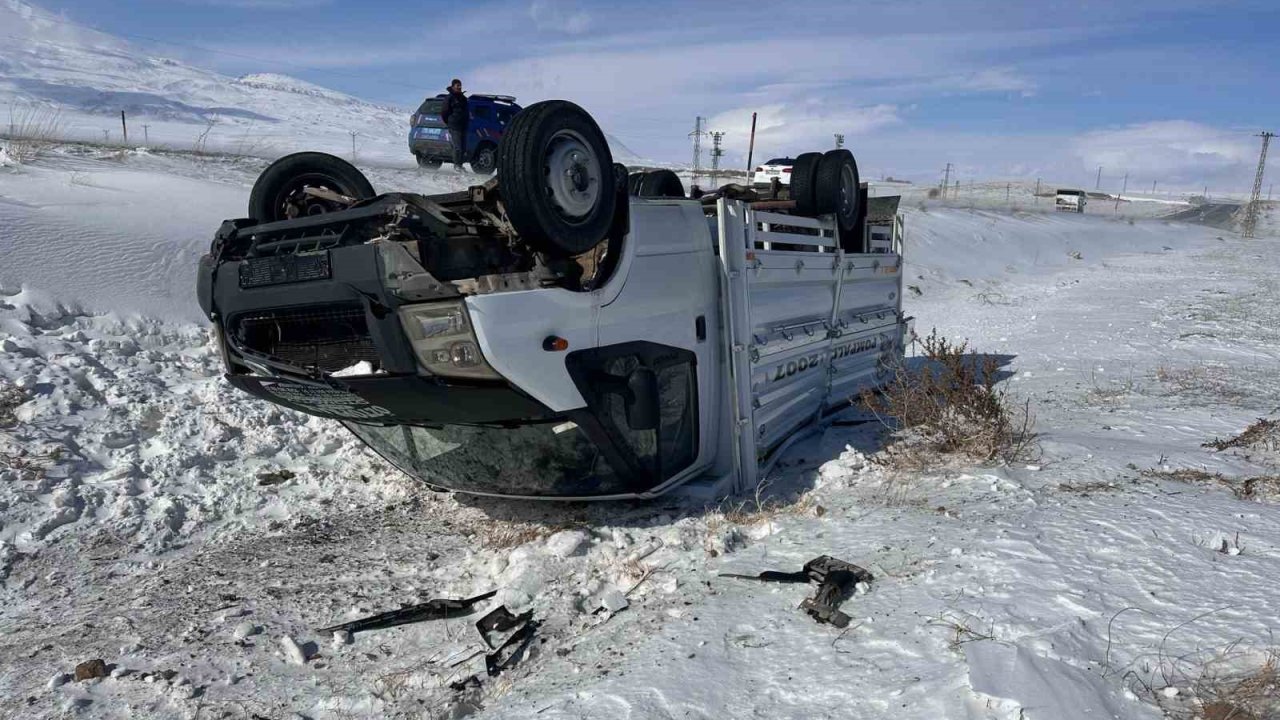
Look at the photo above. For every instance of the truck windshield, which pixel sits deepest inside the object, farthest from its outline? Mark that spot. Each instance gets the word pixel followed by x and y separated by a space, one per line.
pixel 546 459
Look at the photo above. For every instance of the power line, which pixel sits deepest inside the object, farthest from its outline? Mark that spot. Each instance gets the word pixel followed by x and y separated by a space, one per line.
pixel 1251 214
pixel 697 148
pixel 716 153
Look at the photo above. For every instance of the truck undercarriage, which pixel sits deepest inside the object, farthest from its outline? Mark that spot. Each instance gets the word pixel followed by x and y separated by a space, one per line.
pixel 546 334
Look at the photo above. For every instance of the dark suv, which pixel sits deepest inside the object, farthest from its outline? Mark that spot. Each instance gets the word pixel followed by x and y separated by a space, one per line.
pixel 429 136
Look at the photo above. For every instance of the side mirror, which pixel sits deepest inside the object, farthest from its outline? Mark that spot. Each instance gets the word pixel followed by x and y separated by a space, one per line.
pixel 642 400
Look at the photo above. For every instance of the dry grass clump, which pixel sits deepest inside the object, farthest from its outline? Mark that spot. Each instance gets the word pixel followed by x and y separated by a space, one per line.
pixel 951 405
pixel 505 534
pixel 10 398
pixel 1212 380
pixel 1263 434
pixel 1258 488
pixel 31 131
pixel 1224 687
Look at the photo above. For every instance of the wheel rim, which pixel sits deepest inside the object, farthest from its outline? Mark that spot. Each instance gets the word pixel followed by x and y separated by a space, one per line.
pixel 573 174
pixel 292 202
pixel 848 191
pixel 484 161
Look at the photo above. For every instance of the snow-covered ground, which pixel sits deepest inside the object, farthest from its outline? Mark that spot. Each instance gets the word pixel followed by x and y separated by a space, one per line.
pixel 152 517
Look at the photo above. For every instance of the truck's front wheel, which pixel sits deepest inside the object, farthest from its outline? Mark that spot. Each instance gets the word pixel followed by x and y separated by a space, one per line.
pixel 557 179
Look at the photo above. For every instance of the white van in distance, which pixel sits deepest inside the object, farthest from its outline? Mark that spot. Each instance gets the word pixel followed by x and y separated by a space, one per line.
pixel 1071 200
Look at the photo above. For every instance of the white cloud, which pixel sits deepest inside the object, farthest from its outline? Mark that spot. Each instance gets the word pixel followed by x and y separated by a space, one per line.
pixel 791 128
pixel 261 4
pixel 556 16
pixel 1170 151
pixel 996 79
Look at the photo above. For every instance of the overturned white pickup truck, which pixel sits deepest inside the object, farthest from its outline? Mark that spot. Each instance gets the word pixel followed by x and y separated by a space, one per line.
pixel 550 333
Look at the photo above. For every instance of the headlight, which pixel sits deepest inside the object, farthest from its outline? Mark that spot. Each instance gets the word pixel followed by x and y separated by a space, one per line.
pixel 443 341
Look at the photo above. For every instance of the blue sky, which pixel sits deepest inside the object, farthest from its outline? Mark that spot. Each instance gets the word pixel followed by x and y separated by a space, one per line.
pixel 1172 90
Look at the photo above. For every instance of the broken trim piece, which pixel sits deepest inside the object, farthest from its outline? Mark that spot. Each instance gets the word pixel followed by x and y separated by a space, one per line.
pixel 436 609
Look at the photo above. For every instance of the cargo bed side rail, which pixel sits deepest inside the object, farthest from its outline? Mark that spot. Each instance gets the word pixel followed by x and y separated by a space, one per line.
pixel 807 326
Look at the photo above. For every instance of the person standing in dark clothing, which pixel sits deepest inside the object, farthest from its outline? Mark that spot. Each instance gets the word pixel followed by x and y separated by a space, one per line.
pixel 456 114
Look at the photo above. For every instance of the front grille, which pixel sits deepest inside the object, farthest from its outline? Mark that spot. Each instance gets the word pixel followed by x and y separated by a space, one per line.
pixel 327 338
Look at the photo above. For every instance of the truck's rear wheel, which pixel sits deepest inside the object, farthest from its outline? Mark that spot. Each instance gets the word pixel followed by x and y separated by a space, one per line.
pixel 557 179
pixel 661 184
pixel 804 183
pixel 280 192
pixel 837 187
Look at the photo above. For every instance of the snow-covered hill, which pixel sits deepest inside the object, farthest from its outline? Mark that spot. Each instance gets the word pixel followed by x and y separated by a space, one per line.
pixel 89 77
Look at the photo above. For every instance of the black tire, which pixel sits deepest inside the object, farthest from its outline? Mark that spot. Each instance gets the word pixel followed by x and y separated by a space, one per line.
pixel 633 183
pixel 804 183
pixel 556 178
pixel 661 184
pixel 485 159
pixel 427 163
pixel 277 195
pixel 837 187
pixel 620 179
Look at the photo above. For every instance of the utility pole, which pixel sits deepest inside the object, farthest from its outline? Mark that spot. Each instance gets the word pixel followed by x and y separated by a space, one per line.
pixel 353 145
pixel 1122 191
pixel 1037 195
pixel 716 154
pixel 1153 187
pixel 124 128
pixel 1251 214
pixel 946 180
pixel 106 136
pixel 1008 191
pixel 1098 185
pixel 839 140
pixel 146 138
pixel 697 148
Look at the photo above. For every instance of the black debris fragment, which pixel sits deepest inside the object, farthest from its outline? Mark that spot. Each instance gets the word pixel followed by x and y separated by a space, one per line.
pixel 836 581
pixel 499 621
pixel 511 650
pixel 437 609
pixel 275 477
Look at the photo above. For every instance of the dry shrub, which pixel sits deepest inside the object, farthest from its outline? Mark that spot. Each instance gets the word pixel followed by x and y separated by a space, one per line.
pixel 31 131
pixel 934 193
pixel 10 398
pixel 1258 488
pixel 1226 686
pixel 951 406
pixel 1263 434
pixel 503 534
pixel 1213 380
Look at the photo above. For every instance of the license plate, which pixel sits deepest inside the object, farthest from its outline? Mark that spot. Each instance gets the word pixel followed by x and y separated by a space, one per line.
pixel 431 132
pixel 328 402
pixel 772 172
pixel 260 272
